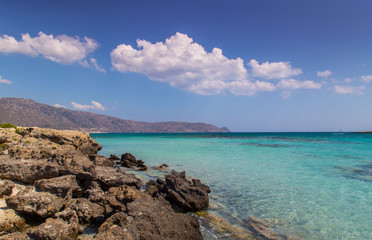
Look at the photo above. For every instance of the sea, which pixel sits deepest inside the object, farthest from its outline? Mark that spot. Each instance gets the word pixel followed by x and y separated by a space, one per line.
pixel 306 185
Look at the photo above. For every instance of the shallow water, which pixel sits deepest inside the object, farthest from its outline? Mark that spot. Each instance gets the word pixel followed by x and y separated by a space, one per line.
pixel 311 185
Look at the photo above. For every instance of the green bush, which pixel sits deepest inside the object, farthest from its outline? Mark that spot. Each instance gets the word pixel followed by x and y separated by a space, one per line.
pixel 7 125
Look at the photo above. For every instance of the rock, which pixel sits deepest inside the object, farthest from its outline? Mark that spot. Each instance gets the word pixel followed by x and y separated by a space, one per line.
pixel 118 226
pixel 15 236
pixel 152 188
pixel 187 195
pixel 163 166
pixel 155 219
pixel 94 192
pixel 99 160
pixel 87 211
pixel 64 187
pixel 111 177
pixel 6 187
pixel 33 203
pixel 10 221
pixel 65 225
pixel 129 161
pixel 113 157
pixel 119 197
pixel 262 230
pixel 26 171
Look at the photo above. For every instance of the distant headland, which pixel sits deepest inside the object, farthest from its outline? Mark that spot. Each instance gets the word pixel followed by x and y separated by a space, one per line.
pixel 28 113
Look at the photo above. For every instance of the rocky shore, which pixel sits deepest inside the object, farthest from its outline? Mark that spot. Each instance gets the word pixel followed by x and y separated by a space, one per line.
pixel 53 182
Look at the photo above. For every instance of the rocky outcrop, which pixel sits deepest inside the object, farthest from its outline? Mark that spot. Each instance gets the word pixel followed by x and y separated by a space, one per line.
pixel 118 227
pixel 129 161
pixel 65 182
pixel 155 219
pixel 187 195
pixel 33 203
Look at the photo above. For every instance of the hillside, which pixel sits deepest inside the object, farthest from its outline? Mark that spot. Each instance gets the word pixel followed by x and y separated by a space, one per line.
pixel 26 112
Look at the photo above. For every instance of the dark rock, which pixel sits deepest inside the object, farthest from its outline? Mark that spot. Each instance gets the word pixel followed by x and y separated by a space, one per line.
pixel 187 195
pixel 119 197
pixel 262 230
pixel 33 203
pixel 6 187
pixel 94 192
pixel 102 161
pixel 64 226
pixel 15 236
pixel 111 177
pixel 87 211
pixel 152 188
pixel 155 219
pixel 113 157
pixel 129 161
pixel 64 187
pixel 119 226
pixel 163 166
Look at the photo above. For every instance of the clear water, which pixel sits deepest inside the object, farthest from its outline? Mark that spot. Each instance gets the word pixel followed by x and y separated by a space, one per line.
pixel 312 185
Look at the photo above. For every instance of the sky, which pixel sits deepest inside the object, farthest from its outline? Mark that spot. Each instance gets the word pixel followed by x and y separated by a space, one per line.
pixel 249 65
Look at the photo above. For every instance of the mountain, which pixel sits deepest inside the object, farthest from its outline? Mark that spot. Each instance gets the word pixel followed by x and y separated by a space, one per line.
pixel 26 112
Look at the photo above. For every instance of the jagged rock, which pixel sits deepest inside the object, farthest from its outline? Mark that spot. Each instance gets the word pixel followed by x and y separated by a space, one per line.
pixel 163 166
pixel 94 192
pixel 113 157
pixel 10 221
pixel 64 187
pixel 15 236
pixel 152 188
pixel 99 160
pixel 129 161
pixel 26 171
pixel 64 226
pixel 187 195
pixel 155 219
pixel 33 203
pixel 262 230
pixel 118 226
pixel 111 177
pixel 6 187
pixel 87 211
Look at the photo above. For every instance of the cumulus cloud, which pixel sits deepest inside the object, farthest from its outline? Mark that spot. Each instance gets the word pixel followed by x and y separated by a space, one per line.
pixel 367 79
pixel 94 106
pixel 184 64
pixel 60 49
pixel 6 81
pixel 59 106
pixel 274 70
pixel 324 74
pixel 295 84
pixel 342 89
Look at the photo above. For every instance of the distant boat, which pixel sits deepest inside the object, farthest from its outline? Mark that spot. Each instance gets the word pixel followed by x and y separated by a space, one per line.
pixel 340 133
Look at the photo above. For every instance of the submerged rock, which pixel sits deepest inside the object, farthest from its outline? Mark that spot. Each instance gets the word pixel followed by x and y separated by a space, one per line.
pixel 187 195
pixel 129 161
pixel 155 219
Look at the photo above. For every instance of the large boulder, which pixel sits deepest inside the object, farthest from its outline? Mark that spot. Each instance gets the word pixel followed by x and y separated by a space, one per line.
pixel 64 226
pixel 33 203
pixel 112 177
pixel 118 227
pixel 155 219
pixel 187 195
pixel 129 161
pixel 26 171
pixel 64 187
pixel 87 211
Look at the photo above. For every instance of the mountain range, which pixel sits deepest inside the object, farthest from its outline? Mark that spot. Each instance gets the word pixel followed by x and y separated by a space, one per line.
pixel 28 113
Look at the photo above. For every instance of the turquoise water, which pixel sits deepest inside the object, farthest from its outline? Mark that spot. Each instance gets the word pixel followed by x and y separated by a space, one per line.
pixel 311 185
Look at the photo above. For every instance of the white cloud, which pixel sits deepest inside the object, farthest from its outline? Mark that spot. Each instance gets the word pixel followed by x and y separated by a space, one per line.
pixel 367 78
pixel 93 61
pixel 324 74
pixel 184 64
pixel 60 49
pixel 59 106
pixel 274 70
pixel 342 89
pixel 6 81
pixel 94 106
pixel 349 80
pixel 295 84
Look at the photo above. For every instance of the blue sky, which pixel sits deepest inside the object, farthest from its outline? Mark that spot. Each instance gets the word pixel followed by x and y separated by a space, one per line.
pixel 250 65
